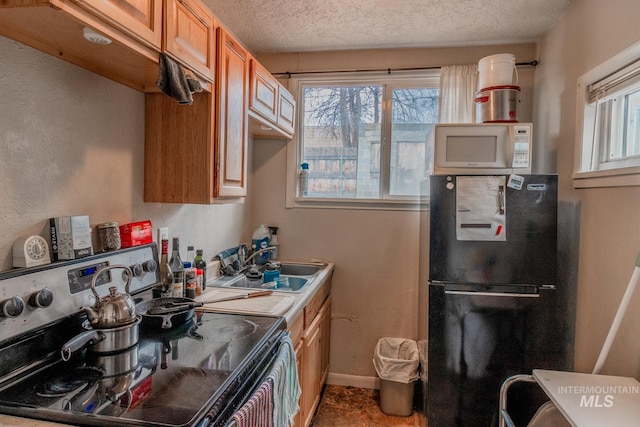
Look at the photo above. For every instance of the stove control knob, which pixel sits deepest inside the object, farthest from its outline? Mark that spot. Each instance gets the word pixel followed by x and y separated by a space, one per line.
pixel 42 298
pixel 149 266
pixel 136 269
pixel 11 307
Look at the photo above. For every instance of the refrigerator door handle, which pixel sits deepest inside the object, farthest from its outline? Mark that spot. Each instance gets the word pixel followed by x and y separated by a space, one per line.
pixel 492 294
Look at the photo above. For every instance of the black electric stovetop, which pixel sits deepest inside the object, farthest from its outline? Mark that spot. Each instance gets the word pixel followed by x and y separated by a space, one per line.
pixel 178 377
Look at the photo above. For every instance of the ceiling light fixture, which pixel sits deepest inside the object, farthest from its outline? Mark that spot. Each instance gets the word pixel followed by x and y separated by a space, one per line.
pixel 95 37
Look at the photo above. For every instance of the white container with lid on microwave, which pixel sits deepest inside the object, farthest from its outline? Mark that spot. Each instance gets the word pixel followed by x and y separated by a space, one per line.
pixel 483 148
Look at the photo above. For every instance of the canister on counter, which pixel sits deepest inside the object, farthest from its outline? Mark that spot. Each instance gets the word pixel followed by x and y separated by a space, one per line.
pixel 109 236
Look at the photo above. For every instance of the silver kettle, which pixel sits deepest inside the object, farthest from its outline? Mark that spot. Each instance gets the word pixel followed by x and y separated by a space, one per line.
pixel 115 309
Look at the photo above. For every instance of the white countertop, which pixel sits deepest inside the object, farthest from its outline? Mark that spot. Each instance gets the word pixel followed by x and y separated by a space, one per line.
pixel 588 400
pixel 299 299
pixel 297 302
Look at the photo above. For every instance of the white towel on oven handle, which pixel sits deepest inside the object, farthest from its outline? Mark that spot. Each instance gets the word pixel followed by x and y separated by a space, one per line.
pixel 286 386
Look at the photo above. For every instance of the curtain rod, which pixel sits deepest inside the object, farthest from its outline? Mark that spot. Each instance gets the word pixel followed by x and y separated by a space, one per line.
pixel 288 74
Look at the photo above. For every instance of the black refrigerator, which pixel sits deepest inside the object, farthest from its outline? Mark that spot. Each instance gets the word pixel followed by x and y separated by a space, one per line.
pixel 493 299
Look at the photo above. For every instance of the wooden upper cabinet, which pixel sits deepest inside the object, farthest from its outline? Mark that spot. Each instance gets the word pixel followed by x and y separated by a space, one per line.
pixel 231 117
pixel 286 111
pixel 189 36
pixel 198 153
pixel 178 150
pixel 263 98
pixel 56 27
pixel 141 19
pixel 270 105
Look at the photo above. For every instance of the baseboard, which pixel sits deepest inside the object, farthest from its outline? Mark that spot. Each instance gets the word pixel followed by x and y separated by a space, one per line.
pixel 353 381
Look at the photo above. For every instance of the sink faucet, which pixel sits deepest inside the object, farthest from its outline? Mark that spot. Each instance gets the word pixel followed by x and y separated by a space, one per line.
pixel 256 253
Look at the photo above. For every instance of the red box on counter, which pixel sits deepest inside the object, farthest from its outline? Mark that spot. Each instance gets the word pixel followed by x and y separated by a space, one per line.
pixel 136 234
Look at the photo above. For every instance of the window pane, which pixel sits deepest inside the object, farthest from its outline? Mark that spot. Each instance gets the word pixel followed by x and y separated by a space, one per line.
pixel 341 140
pixel 415 112
pixel 632 124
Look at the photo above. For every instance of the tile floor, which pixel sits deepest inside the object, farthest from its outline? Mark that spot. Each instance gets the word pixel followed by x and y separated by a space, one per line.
pixel 356 407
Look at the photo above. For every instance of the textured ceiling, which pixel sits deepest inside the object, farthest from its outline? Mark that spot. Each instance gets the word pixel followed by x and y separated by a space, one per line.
pixel 274 26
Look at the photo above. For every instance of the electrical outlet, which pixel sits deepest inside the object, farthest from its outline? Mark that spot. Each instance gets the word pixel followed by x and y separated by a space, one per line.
pixel 163 234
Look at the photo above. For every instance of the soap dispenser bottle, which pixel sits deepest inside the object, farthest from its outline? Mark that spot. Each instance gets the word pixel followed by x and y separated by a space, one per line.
pixel 273 232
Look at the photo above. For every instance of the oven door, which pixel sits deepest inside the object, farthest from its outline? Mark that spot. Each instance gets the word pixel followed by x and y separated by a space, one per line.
pixel 255 397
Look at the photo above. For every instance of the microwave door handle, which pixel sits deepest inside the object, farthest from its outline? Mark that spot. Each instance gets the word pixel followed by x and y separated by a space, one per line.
pixel 501 199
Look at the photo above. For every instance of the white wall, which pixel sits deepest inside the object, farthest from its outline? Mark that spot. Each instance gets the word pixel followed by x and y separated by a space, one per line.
pixel 607 240
pixel 376 282
pixel 72 143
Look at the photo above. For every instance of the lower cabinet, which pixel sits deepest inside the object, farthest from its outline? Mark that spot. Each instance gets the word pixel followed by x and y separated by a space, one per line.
pixel 315 364
pixel 312 352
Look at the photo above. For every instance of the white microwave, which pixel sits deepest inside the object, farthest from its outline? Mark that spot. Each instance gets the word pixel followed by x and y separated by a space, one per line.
pixel 483 148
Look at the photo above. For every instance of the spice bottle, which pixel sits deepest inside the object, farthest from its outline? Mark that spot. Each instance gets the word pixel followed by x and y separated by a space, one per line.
pixel 199 281
pixel 191 286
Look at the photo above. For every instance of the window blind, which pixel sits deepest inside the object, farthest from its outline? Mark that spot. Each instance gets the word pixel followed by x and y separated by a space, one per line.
pixel 615 82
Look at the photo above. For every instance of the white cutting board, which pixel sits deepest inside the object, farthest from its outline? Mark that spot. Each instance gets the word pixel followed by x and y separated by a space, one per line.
pixel 274 304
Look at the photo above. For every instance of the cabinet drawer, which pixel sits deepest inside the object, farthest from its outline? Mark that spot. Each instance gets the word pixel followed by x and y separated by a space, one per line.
pixel 314 305
pixel 296 329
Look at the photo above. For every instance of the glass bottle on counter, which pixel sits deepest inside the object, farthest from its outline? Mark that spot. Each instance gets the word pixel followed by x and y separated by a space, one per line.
pixel 200 263
pixel 177 269
pixel 189 254
pixel 166 277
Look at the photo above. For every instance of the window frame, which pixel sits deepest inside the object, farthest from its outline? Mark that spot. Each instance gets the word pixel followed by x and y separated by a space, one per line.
pixel 602 172
pixel 293 149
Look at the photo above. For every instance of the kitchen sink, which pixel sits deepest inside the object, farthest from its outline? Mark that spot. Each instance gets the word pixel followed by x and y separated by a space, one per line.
pixel 296 284
pixel 299 276
pixel 290 269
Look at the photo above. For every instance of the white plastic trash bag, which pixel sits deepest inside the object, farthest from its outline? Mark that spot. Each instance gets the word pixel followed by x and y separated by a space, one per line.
pixel 397 359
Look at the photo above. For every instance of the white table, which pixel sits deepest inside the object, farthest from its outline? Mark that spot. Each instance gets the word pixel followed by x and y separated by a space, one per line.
pixel 588 400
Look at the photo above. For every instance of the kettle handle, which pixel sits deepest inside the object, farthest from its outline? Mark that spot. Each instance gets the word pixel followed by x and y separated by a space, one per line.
pixel 110 267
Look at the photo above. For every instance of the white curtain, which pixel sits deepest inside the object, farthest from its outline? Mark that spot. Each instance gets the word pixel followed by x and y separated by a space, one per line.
pixel 458 86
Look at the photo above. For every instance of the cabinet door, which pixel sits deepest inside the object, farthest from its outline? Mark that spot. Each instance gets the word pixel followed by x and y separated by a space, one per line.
pixel 231 112
pixel 299 349
pixel 286 111
pixel 263 98
pixel 141 19
pixel 312 369
pixel 189 36
pixel 325 343
pixel 178 149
